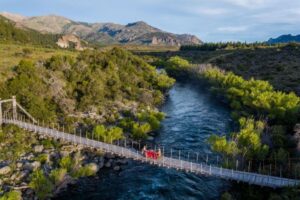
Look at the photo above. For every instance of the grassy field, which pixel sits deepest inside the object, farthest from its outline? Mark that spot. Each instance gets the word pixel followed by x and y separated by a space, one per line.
pixel 11 54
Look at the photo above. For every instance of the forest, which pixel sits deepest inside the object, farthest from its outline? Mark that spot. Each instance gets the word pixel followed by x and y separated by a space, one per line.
pixel 231 46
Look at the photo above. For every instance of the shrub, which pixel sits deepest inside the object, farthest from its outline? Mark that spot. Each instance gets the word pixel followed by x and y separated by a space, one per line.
pixel 42 158
pixel 12 195
pixel 66 163
pixel 247 142
pixel 108 134
pixel 41 185
pixel 139 131
pixel 84 171
pixel 58 175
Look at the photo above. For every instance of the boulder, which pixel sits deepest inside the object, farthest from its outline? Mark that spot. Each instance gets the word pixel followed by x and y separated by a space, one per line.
pixel 27 166
pixel 101 165
pixel 108 164
pixel 5 170
pixel 19 165
pixel 35 165
pixel 117 168
pixel 31 166
pixel 22 175
pixel 38 148
pixel 93 166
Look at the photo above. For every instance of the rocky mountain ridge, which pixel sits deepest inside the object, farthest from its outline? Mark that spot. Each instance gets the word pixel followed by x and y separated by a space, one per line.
pixel 284 39
pixel 104 33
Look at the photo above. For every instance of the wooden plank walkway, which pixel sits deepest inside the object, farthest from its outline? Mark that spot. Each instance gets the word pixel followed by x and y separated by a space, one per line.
pixel 198 168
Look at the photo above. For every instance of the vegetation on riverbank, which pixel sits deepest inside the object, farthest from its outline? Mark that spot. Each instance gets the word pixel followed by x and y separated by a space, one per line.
pixel 99 85
pixel 105 95
pixel 265 119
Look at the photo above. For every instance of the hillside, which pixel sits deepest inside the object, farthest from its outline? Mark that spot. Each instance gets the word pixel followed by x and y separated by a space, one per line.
pixel 9 32
pixel 280 66
pixel 104 33
pixel 284 39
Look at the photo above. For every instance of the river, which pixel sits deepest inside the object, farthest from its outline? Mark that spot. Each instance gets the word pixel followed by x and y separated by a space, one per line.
pixel 193 115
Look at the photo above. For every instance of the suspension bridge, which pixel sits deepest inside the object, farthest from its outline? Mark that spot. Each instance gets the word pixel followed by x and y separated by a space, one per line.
pixel 201 168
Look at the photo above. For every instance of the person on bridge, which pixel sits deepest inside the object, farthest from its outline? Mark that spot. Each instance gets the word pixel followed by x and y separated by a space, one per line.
pixel 151 153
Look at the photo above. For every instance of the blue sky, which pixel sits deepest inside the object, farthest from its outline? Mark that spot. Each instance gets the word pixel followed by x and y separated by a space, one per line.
pixel 210 20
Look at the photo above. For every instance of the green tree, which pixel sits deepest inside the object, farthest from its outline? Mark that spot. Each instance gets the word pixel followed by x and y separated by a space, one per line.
pixel 139 131
pixel 108 135
pixel 247 142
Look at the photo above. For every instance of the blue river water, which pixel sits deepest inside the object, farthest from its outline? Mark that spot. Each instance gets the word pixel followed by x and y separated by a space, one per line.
pixel 193 115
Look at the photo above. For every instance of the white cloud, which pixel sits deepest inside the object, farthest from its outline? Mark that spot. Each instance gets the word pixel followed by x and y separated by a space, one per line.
pixel 232 29
pixel 250 3
pixel 211 11
pixel 288 16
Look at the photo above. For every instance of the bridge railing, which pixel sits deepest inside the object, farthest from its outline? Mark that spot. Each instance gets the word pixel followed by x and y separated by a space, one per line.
pixel 177 163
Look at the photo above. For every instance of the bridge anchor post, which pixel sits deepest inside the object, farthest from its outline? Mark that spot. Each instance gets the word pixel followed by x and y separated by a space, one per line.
pixel 14 104
pixel 1 119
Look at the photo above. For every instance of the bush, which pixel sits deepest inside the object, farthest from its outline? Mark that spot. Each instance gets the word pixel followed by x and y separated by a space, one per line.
pixel 247 142
pixel 108 135
pixel 226 196
pixel 84 171
pixel 12 195
pixel 42 186
pixel 58 175
pixel 43 158
pixel 139 131
pixel 66 163
pixel 152 118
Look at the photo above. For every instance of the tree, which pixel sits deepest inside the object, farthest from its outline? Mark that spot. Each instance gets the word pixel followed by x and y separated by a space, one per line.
pixel 246 142
pixel 139 131
pixel 177 67
pixel 108 135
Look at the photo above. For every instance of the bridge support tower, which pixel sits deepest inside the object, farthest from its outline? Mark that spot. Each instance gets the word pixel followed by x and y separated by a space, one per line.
pixel 1 119
pixel 14 105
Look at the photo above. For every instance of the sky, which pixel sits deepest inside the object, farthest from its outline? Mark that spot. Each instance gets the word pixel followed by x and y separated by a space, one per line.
pixel 210 20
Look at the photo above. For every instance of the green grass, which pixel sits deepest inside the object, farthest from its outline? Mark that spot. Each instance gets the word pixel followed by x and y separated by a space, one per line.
pixel 11 54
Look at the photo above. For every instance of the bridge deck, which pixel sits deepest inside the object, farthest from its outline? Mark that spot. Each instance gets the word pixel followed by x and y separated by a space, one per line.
pixel 198 168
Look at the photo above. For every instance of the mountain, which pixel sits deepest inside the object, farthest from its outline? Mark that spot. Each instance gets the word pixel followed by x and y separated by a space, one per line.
pixel 103 33
pixel 284 39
